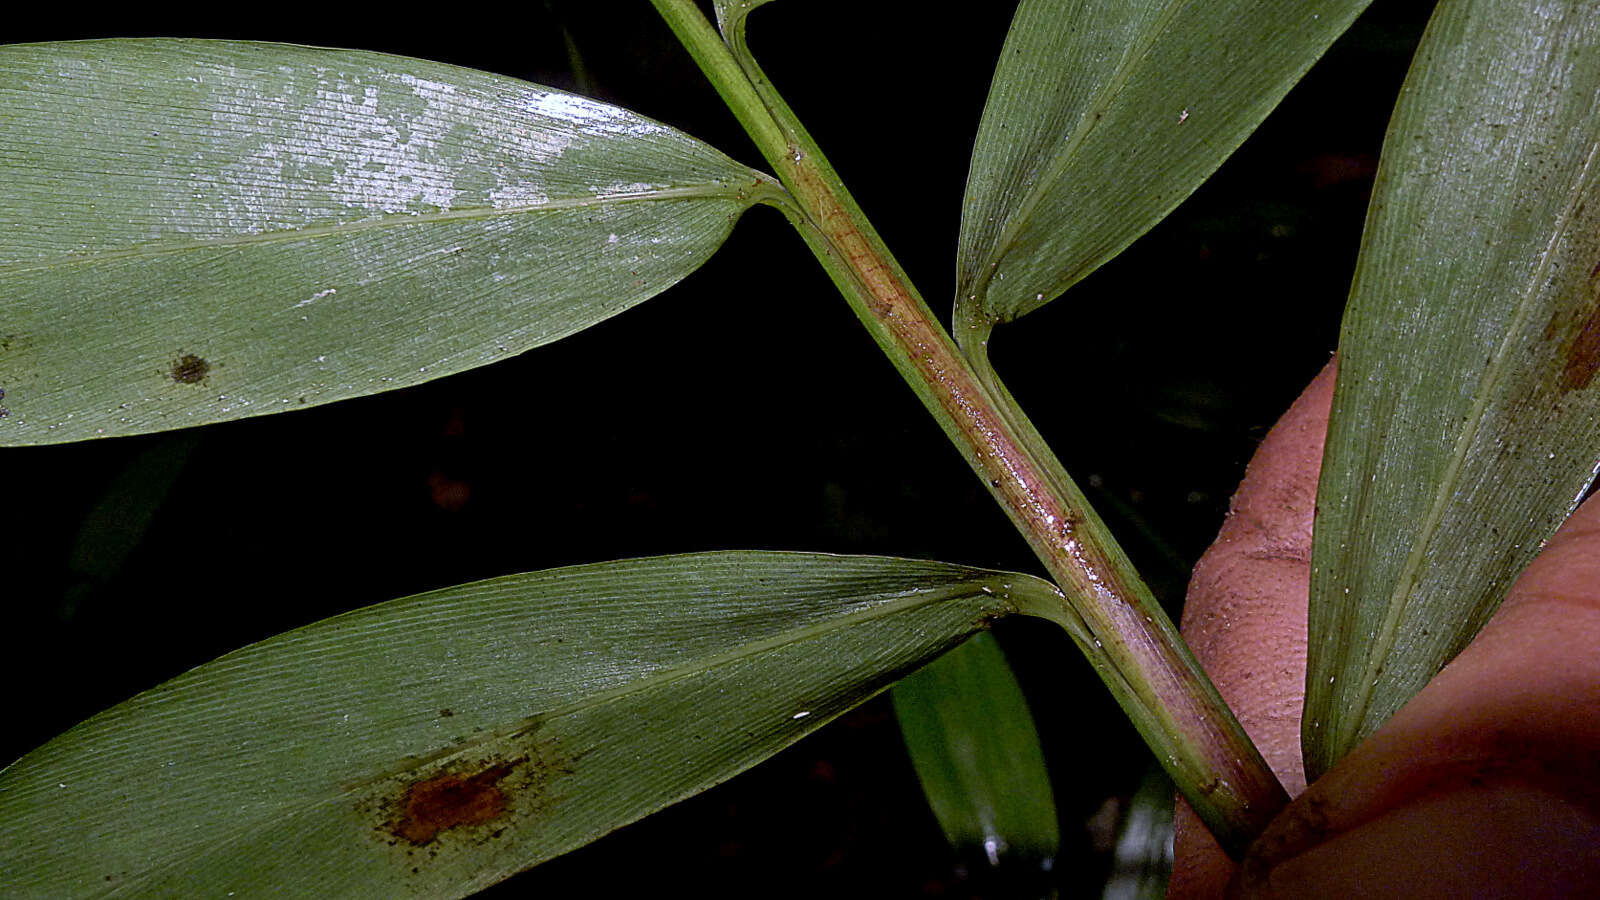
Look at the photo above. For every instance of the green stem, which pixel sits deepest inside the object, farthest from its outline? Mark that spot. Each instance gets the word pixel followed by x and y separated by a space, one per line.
pixel 1107 608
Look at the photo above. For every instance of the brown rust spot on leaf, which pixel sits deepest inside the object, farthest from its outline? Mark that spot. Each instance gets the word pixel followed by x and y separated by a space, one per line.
pixel 451 800
pixel 1581 355
pixel 468 794
pixel 189 369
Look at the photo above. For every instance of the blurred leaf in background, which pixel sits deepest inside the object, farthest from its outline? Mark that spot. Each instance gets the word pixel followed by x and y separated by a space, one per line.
pixel 973 743
pixel 1142 860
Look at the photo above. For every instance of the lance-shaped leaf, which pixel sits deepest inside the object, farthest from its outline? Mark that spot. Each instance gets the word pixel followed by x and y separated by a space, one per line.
pixel 1466 421
pixel 430 746
pixel 196 231
pixel 977 754
pixel 1103 116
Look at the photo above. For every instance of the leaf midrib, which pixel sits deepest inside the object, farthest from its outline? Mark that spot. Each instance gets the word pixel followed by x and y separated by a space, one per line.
pixel 309 232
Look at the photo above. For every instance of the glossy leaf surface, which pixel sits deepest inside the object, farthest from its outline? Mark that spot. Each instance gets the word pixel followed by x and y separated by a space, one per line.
pixel 1103 116
pixel 973 743
pixel 730 13
pixel 196 231
pixel 1466 420
pixel 430 746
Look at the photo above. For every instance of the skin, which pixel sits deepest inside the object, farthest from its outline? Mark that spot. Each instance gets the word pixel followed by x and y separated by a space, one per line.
pixel 1487 784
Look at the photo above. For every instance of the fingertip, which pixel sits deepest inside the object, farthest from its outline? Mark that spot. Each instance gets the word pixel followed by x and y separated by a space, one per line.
pixel 1277 498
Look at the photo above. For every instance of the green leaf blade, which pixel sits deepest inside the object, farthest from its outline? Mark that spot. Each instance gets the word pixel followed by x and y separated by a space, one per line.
pixel 197 231
pixel 1464 421
pixel 1103 116
pixel 430 746
pixel 976 751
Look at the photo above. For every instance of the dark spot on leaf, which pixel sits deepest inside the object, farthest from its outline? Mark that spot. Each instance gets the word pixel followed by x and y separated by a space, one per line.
pixel 446 713
pixel 1582 358
pixel 468 794
pixel 1578 331
pixel 451 800
pixel 189 369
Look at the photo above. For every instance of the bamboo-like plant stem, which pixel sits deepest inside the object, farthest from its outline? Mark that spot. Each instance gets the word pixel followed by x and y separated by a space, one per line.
pixel 1107 608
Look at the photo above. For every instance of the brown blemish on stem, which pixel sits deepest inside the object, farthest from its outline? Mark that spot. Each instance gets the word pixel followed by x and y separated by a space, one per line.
pixel 189 369
pixel 451 800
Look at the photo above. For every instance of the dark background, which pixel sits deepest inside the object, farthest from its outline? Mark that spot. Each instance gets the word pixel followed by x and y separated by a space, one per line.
pixel 743 408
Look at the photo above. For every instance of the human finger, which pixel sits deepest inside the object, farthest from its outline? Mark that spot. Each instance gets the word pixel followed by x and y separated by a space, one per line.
pixel 1245 615
pixel 1487 783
